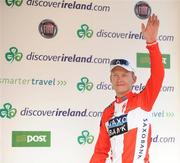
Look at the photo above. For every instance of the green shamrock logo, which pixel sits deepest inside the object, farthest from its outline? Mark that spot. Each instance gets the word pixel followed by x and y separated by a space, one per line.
pixel 13 54
pixel 14 2
pixel 84 31
pixel 85 84
pixel 85 138
pixel 7 111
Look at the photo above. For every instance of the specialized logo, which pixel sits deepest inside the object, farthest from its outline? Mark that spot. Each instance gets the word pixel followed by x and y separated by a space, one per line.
pixel 84 84
pixel 142 10
pixel 13 54
pixel 48 29
pixel 31 138
pixel 85 137
pixel 11 3
pixel 143 60
pixel 84 32
pixel 7 111
pixel 117 125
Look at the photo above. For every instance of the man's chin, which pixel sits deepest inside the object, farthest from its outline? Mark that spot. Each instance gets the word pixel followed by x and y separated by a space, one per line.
pixel 122 92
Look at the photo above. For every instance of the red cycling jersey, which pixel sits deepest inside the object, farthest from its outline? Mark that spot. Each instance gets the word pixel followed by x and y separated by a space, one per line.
pixel 125 127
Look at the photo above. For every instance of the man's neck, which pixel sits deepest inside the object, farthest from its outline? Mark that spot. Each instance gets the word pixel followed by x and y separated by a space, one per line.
pixel 123 97
pixel 120 95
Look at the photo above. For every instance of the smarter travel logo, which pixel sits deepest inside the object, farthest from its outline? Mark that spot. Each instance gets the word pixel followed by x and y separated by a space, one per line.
pixel 33 81
pixel 163 114
pixel 11 3
pixel 7 111
pixel 31 138
pixel 85 138
pixel 13 55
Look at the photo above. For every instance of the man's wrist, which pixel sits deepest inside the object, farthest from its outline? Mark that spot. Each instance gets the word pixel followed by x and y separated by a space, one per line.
pixel 151 43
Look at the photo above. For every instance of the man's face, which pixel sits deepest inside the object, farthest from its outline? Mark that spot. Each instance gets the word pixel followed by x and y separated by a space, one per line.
pixel 122 80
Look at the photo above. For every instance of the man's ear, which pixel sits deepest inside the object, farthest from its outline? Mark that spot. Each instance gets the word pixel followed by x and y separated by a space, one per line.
pixel 110 78
pixel 134 77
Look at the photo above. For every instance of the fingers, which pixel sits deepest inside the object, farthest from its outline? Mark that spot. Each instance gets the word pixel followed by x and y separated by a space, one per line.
pixel 149 20
pixel 143 28
pixel 154 20
pixel 150 30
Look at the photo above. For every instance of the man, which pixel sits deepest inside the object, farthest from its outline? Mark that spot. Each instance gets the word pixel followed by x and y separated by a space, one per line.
pixel 125 129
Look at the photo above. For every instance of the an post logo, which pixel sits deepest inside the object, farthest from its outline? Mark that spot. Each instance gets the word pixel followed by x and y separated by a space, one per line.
pixel 84 84
pixel 143 60
pixel 84 31
pixel 11 3
pixel 13 54
pixel 85 137
pixel 7 111
pixel 31 138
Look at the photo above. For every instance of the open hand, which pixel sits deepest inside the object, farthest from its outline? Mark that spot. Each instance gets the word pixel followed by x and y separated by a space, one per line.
pixel 150 31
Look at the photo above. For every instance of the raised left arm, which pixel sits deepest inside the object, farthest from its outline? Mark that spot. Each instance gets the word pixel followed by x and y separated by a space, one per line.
pixel 148 96
pixel 150 31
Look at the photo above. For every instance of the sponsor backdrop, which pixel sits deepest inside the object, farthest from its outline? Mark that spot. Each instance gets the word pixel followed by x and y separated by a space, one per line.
pixel 54 75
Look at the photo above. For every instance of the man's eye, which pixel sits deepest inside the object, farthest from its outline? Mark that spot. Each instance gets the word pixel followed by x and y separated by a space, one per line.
pixel 124 75
pixel 115 75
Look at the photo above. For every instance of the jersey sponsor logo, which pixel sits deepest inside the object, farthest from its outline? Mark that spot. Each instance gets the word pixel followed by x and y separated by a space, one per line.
pixel 143 138
pixel 117 125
